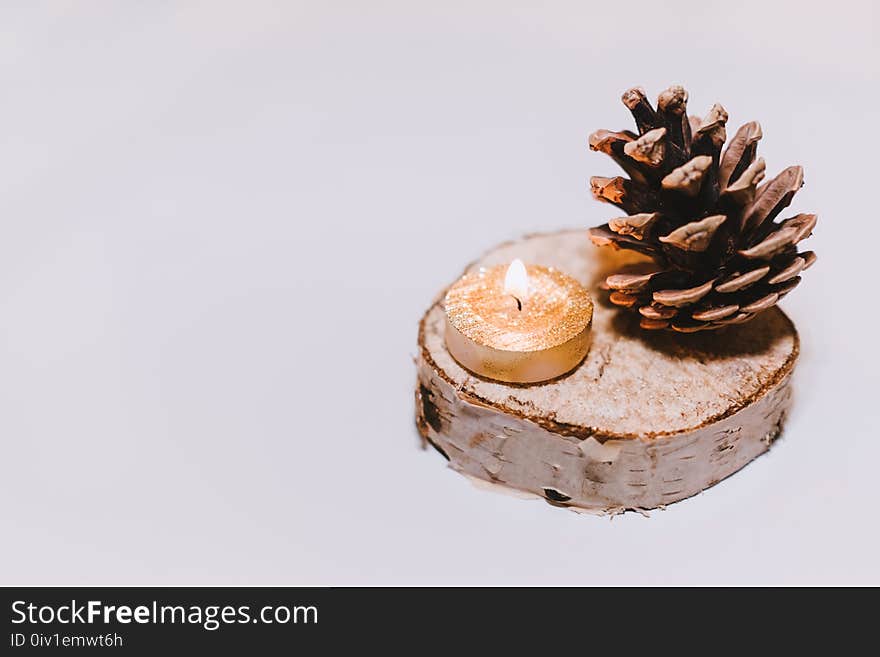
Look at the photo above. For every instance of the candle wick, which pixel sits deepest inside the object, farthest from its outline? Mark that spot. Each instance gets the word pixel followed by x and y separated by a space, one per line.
pixel 518 302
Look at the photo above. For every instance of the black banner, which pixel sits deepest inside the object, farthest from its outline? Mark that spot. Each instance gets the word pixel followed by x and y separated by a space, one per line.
pixel 268 620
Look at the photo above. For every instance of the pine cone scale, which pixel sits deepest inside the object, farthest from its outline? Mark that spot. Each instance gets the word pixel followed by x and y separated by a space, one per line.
pixel 739 281
pixel 795 267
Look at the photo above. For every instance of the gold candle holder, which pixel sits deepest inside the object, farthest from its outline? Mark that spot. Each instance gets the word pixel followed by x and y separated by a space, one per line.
pixel 517 323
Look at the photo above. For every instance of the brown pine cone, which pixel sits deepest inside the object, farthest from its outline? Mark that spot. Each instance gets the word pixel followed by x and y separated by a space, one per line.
pixel 719 256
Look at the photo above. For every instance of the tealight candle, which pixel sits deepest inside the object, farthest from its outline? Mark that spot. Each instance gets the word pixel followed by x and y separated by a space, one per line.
pixel 518 323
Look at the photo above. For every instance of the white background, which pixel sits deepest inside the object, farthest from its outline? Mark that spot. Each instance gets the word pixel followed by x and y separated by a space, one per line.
pixel 222 222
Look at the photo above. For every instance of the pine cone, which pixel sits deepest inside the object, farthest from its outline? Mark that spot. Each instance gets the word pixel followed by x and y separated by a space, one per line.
pixel 719 256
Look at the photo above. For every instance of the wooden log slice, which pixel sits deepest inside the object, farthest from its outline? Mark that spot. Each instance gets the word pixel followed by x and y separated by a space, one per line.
pixel 648 418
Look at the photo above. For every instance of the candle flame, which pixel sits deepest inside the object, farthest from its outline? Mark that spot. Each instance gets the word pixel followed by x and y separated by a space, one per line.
pixel 516 281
